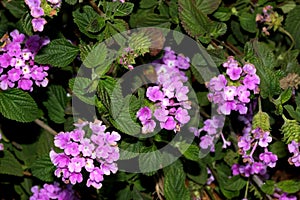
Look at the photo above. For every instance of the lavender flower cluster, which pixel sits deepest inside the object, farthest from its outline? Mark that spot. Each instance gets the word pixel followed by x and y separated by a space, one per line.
pixel 293 148
pixel 232 90
pixel 53 191
pixel 169 95
pixel 265 18
pixel 86 150
pixel 253 141
pixel 41 8
pixel 17 66
pixel 213 128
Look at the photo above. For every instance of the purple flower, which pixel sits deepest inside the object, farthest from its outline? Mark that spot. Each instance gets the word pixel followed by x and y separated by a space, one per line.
pixel 60 159
pixel 148 126
pixel 77 135
pixel 61 140
pixel 243 94
pixel 235 168
pixel 182 115
pixel 75 178
pixel 229 93
pixel 86 147
pixel 25 84
pixel 227 107
pixel 154 94
pixel 181 93
pixel 245 142
pixel 268 158
pixel 5 60
pixel 249 69
pixel 183 62
pixel 17 37
pixel 258 168
pixel 217 83
pixel 37 12
pixel 161 114
pixel 169 124
pixel 251 81
pixel 76 164
pixel 144 114
pixel 231 62
pixel 72 149
pixel 97 127
pixel 33 3
pixel 14 49
pixel 38 24
pixel 5 83
pixel 206 141
pixel 14 74
pixel 234 73
pixel 112 138
pixel 265 139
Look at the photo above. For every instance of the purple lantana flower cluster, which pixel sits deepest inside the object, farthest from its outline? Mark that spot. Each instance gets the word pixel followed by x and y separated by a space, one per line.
pixel 41 8
pixel 293 148
pixel 169 95
pixel 17 66
pixel 53 191
pixel 213 130
pixel 88 149
pixel 256 140
pixel 231 91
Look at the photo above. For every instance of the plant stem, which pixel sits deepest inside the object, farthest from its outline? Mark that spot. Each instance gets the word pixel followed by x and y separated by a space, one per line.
pixel 45 126
pixel 259 104
pixel 96 8
pixel 282 30
pixel 246 191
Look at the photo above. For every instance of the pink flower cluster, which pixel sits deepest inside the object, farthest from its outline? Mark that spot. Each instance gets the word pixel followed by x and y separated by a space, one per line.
pixel 53 191
pixel 17 66
pixel 213 128
pixel 37 11
pixel 265 18
pixel 169 95
pixel 86 150
pixel 231 92
pixel 293 148
pixel 254 141
pixel 127 58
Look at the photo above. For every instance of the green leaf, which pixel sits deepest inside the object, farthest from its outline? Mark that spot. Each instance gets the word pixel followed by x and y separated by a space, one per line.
pixel 18 105
pixel 96 56
pixel 191 152
pixel 56 103
pixel 278 148
pixel 223 14
pixel 287 6
pixel 130 150
pixel 71 2
pixel 294 114
pixel 193 20
pixel 236 30
pixel 148 3
pixel 217 29
pixel 16 8
pixel 59 53
pixel 150 160
pixel 207 6
pixel 43 169
pixel 9 165
pixel 80 87
pixel 88 21
pixel 289 186
pixel 248 22
pixel 25 24
pixel 119 9
pixel 292 25
pixel 174 182
pixel 124 194
pixel 234 183
pixel 145 18
pixel 268 187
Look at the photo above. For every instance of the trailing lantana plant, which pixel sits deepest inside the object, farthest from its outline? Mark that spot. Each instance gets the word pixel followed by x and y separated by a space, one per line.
pixel 150 99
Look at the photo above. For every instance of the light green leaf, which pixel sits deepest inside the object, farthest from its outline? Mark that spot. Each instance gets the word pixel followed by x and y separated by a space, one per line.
pixel 294 114
pixel 56 103
pixel 174 183
pixel 18 105
pixel 289 186
pixel 10 165
pixel 43 169
pixel 223 14
pixel 59 53
pixel 96 56
pixel 268 187
pixel 120 9
pixel 292 25
pixel 80 86
pixel 287 6
pixel 150 161
pixel 191 152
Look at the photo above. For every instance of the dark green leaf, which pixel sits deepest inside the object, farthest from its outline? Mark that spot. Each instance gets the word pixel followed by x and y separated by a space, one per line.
pixel 248 22
pixel 59 53
pixel 88 21
pixel 43 169
pixel 292 24
pixel 56 103
pixel 80 87
pixel 191 152
pixel 16 7
pixel 174 183
pixel 124 194
pixel 71 2
pixel 144 18
pixel 268 187
pixel 18 105
pixel 193 20
pixel 148 3
pixel 278 148
pixel 9 164
pixel 207 6
pixel 121 9
pixel 294 114
pixel 150 160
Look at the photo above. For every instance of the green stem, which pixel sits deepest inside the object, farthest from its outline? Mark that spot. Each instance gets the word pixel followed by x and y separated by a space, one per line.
pixel 282 30
pixel 259 104
pixel 246 191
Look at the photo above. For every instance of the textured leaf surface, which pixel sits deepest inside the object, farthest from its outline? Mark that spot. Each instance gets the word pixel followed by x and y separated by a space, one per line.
pixel 9 165
pixel 43 169
pixel 58 53
pixel 292 25
pixel 18 105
